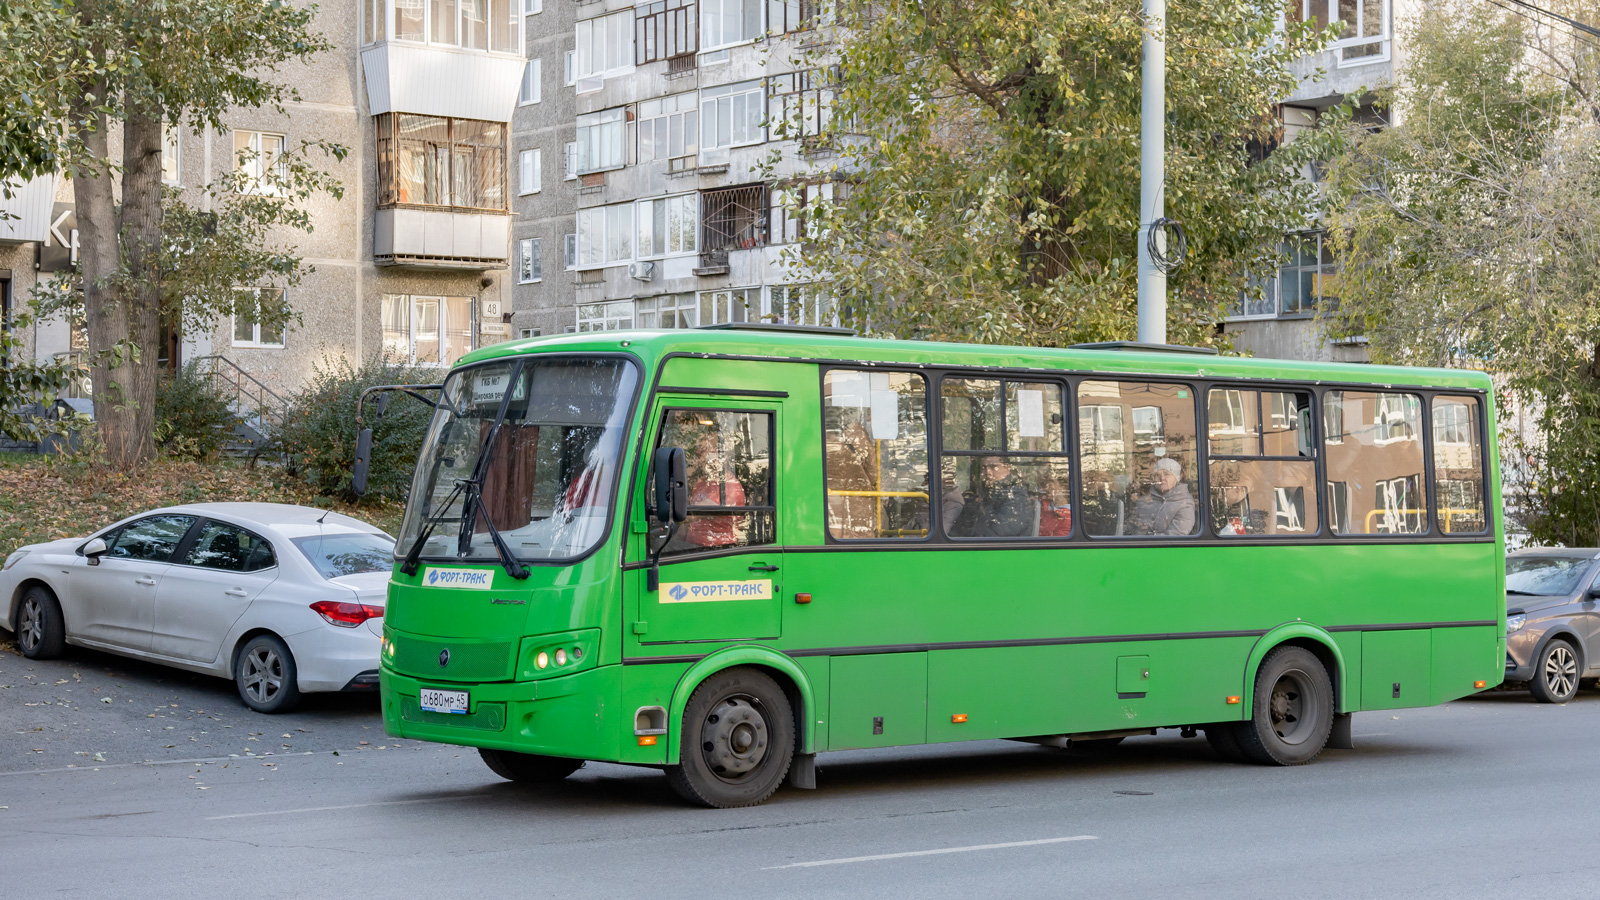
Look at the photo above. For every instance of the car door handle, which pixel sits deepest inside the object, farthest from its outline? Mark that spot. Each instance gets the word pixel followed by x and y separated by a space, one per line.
pixel 762 568
pixel 235 592
pixel 144 581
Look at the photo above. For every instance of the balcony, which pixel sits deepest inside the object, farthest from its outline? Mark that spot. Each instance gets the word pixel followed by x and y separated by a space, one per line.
pixel 25 216
pixel 441 81
pixel 441 239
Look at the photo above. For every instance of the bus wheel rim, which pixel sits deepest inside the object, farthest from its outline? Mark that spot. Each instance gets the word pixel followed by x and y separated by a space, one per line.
pixel 1293 708
pixel 1560 671
pixel 734 738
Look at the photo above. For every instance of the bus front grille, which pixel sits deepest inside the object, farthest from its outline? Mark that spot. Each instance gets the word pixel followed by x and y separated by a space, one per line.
pixel 452 660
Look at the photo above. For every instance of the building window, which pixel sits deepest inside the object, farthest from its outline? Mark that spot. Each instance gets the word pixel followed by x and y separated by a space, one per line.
pixel 1309 279
pixel 259 157
pixel 569 159
pixel 258 317
pixel 493 25
pixel 800 104
pixel 799 304
pixel 604 46
pixel 667 225
pixel 724 23
pixel 171 155
pixel 1361 26
pixel 669 129
pixel 734 218
pixel 532 7
pixel 530 84
pixel 672 311
pixel 608 316
pixel 786 16
pixel 526 333
pixel 735 305
pixel 433 161
pixel 530 166
pixel 375 20
pixel 570 77
pixel 731 116
pixel 530 268
pixel 664 29
pixel 792 203
pixel 569 251
pixel 605 235
pixel 600 138
pixel 426 330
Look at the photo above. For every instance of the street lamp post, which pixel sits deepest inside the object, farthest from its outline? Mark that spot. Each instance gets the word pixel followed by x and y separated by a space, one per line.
pixel 1152 174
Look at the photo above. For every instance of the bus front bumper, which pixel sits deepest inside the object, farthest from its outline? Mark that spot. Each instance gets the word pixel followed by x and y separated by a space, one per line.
pixel 574 716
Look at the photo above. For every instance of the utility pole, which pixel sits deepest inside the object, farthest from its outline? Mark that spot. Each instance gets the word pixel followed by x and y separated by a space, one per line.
pixel 1152 173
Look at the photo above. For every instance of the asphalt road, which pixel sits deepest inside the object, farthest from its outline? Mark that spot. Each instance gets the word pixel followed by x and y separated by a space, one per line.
pixel 1487 797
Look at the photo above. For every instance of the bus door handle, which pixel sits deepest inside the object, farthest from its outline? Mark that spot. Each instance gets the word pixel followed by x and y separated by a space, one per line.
pixel 763 568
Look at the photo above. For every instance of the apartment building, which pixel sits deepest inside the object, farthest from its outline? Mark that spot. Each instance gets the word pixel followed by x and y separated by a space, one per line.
pixel 670 163
pixel 413 260
pixel 1282 322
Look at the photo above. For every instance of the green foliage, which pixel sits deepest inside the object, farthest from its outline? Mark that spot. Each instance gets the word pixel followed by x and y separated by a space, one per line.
pixel 319 429
pixel 993 150
pixel 194 417
pixel 1466 234
pixel 25 381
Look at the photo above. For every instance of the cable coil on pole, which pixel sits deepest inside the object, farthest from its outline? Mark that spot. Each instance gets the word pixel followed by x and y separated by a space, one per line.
pixel 1177 244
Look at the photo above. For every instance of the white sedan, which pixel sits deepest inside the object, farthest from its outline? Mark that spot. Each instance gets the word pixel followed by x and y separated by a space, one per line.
pixel 282 599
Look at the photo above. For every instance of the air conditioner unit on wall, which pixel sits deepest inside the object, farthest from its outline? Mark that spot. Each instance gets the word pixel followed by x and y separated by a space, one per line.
pixel 643 271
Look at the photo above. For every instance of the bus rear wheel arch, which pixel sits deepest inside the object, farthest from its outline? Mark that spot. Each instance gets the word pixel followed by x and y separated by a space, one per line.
pixel 737 740
pixel 1292 713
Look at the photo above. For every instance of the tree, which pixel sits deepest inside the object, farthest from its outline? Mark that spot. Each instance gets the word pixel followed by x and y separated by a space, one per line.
pixel 1466 234
pixel 25 381
pixel 89 64
pixel 991 149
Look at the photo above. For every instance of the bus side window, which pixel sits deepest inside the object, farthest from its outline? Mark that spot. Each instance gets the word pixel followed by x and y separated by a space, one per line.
pixel 1004 468
pixel 875 433
pixel 1458 465
pixel 1137 449
pixel 729 457
pixel 1373 442
pixel 1262 477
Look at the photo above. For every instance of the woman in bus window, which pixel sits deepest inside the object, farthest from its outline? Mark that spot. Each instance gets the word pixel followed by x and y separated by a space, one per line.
pixel 1169 507
pixel 712 482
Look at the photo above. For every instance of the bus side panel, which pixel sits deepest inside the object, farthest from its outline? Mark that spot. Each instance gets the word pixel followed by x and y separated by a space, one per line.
pixel 1350 679
pixel 1396 668
pixel 1462 657
pixel 878 700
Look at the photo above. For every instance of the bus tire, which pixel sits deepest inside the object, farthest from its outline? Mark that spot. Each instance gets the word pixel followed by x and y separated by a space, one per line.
pixel 1224 740
pixel 1093 746
pixel 737 740
pixel 1293 710
pixel 528 768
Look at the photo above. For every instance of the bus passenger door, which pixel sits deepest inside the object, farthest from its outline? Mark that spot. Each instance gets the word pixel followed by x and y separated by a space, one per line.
pixel 721 572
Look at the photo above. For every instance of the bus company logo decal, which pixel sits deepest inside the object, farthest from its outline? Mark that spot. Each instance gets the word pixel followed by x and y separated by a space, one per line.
pixel 710 591
pixel 473 579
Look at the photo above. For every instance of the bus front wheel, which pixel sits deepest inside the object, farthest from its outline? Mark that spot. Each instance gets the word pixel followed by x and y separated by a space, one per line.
pixel 737 740
pixel 1293 712
pixel 528 768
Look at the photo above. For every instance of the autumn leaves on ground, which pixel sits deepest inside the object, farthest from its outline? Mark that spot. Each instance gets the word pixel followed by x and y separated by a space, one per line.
pixel 41 502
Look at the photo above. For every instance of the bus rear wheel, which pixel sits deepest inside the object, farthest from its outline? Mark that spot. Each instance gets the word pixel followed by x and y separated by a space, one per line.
pixel 1293 711
pixel 737 740
pixel 528 768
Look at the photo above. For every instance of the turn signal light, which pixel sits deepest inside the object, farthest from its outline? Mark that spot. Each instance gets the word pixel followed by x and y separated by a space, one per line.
pixel 958 718
pixel 802 599
pixel 1232 700
pixel 1480 685
pixel 647 740
pixel 346 615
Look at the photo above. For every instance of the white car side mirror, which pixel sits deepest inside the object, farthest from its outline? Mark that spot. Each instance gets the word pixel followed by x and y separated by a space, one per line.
pixel 94 550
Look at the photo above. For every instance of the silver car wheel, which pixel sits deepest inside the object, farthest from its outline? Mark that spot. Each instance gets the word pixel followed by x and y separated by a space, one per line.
pixel 30 627
pixel 1561 670
pixel 263 674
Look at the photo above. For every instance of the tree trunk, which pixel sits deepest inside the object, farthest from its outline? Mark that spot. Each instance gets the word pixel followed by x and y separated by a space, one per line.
pixel 141 244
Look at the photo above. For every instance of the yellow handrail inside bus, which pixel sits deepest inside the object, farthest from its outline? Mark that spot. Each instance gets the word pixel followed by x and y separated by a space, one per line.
pixel 1447 513
pixel 921 495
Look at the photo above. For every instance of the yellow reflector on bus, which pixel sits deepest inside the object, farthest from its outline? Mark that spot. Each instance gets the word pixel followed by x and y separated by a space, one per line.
pixel 958 718
pixel 647 740
pixel 1232 700
pixel 1480 685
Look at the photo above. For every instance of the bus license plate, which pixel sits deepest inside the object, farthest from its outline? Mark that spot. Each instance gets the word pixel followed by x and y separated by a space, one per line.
pixel 444 701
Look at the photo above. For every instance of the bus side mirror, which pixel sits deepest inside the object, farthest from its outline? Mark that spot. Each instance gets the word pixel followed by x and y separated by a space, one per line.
pixel 358 475
pixel 672 485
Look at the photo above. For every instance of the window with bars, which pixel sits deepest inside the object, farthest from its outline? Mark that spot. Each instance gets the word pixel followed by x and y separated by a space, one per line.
pixel 600 140
pixel 434 161
pixel 800 104
pixel 669 129
pixel 734 218
pixel 665 29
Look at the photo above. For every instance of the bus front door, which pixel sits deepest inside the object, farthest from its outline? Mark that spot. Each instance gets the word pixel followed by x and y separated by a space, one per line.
pixel 721 572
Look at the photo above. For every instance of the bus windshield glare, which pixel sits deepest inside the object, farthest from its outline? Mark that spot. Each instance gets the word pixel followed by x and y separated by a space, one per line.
pixel 546 484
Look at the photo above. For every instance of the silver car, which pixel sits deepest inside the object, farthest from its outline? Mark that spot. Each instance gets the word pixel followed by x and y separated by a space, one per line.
pixel 282 599
pixel 1553 620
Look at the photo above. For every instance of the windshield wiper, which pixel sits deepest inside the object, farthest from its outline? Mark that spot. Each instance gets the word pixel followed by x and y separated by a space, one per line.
pixel 408 566
pixel 1527 593
pixel 473 498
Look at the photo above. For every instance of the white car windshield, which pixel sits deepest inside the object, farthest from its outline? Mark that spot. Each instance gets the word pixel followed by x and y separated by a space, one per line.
pixel 347 553
pixel 547 484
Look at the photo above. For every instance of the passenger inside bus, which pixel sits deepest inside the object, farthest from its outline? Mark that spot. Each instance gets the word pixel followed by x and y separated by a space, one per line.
pixel 1001 508
pixel 1168 507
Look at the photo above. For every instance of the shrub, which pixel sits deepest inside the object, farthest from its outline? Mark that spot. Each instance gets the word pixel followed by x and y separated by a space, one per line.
pixel 319 429
pixel 194 414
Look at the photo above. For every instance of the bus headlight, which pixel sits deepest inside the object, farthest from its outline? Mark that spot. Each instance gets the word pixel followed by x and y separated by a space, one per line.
pixel 1514 623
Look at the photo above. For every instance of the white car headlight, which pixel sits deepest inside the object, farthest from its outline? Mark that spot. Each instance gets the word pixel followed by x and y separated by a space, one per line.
pixel 1514 623
pixel 13 559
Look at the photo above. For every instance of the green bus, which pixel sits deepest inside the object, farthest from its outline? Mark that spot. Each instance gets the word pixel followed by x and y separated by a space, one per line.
pixel 720 551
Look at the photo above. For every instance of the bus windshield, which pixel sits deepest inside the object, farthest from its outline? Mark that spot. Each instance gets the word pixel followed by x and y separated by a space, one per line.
pixel 546 483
